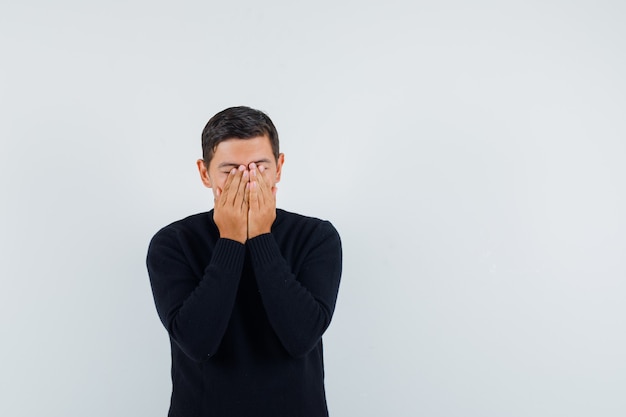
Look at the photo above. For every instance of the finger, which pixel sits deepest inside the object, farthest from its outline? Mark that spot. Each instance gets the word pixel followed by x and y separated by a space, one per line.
pixel 241 187
pixel 264 176
pixel 229 180
pixel 254 195
pixel 259 176
pixel 265 184
pixel 234 186
pixel 254 171
pixel 246 195
pixel 256 179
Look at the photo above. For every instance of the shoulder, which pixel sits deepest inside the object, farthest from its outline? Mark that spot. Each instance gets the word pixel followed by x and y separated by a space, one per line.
pixel 191 222
pixel 286 218
pixel 300 227
pixel 189 228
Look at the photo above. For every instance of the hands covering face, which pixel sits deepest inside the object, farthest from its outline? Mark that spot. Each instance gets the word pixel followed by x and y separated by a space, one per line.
pixel 246 206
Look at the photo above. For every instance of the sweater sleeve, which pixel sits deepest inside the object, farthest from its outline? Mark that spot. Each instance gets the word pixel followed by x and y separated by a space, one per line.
pixel 194 310
pixel 299 307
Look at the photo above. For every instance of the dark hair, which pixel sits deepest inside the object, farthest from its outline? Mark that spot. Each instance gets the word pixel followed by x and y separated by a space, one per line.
pixel 237 123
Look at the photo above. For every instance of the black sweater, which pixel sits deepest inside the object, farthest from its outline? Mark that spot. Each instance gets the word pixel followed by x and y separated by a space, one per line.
pixel 246 321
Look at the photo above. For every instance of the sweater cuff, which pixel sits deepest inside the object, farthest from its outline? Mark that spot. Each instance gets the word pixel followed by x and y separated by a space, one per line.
pixel 263 249
pixel 228 255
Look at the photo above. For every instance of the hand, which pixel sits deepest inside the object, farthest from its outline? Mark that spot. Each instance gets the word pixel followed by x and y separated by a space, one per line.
pixel 231 206
pixel 261 202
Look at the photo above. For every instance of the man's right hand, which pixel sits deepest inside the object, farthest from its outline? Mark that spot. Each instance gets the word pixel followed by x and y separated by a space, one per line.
pixel 231 206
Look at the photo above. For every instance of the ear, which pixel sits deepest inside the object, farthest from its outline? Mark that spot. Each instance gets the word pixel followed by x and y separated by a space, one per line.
pixel 204 173
pixel 279 166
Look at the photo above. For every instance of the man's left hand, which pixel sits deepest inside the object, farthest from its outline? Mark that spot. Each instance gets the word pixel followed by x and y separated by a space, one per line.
pixel 261 202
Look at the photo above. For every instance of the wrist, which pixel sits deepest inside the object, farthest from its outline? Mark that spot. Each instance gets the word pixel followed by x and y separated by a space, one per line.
pixel 253 234
pixel 241 238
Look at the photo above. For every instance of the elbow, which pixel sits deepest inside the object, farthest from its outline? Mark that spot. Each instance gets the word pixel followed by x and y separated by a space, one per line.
pixel 200 357
pixel 305 341
pixel 197 352
pixel 299 350
pixel 191 343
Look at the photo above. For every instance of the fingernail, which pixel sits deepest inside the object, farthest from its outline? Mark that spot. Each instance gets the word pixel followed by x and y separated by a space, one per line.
pixel 232 171
pixel 242 168
pixel 252 165
pixel 261 168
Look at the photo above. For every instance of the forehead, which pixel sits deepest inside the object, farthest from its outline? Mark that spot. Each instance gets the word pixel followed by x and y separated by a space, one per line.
pixel 237 151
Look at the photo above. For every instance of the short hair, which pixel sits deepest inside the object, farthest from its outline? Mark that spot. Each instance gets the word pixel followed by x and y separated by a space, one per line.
pixel 237 123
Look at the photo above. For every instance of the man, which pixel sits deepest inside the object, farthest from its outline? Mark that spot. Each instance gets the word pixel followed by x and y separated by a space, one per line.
pixel 246 290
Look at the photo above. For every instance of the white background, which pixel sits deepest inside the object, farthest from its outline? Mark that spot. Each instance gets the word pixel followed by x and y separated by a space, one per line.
pixel 471 155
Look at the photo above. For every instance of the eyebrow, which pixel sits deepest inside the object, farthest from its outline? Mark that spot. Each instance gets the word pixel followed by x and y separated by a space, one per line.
pixel 234 165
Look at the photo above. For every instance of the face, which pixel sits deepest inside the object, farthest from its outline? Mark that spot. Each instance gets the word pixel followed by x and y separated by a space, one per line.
pixel 232 153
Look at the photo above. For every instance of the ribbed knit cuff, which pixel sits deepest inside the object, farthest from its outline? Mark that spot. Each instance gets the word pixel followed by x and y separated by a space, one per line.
pixel 263 249
pixel 228 255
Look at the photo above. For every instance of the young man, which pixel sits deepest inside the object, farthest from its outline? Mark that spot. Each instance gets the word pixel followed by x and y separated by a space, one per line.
pixel 246 290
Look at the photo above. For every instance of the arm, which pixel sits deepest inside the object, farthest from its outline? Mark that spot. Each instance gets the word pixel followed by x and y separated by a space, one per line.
pixel 194 310
pixel 300 307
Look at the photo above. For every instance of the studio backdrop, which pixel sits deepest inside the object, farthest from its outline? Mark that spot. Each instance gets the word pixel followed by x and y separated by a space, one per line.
pixel 470 154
